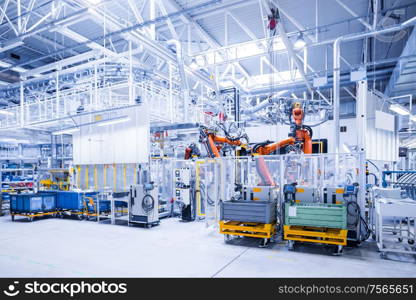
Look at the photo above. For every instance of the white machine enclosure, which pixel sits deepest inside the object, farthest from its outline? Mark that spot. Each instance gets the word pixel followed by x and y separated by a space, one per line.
pixel 144 205
pixel 182 178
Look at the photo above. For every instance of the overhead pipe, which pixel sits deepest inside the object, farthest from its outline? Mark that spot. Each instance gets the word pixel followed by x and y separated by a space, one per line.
pixel 337 66
pixel 299 86
pixel 184 79
pixel 180 61
pixel 265 103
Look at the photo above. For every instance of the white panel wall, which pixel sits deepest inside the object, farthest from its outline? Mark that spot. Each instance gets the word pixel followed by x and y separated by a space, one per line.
pixel 381 144
pixel 323 131
pixel 118 143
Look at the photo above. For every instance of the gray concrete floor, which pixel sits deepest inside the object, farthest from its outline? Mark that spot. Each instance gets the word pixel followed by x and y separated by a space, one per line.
pixel 71 248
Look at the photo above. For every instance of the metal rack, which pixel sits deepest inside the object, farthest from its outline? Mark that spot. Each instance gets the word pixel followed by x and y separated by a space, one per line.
pixel 399 236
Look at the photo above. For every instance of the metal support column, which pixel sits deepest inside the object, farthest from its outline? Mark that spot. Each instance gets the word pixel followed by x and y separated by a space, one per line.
pixel 362 93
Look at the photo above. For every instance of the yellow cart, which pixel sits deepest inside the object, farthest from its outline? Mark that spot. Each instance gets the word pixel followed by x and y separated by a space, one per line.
pixel 321 235
pixel 265 232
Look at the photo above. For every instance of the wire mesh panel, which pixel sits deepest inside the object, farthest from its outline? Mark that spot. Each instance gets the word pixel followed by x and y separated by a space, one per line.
pixel 232 174
pixel 207 183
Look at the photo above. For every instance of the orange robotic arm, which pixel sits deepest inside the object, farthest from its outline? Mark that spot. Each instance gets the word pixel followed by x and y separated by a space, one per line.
pixel 269 148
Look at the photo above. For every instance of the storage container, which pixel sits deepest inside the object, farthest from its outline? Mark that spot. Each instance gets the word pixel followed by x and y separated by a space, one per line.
pixel 32 203
pixel 249 211
pixel 73 200
pixel 316 215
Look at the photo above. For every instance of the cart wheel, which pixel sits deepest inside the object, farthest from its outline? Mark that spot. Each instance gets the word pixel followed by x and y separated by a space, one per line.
pixel 31 219
pixel 291 245
pixel 410 242
pixel 400 239
pixel 264 243
pixel 394 232
pixel 227 238
pixel 373 236
pixel 12 218
pixel 148 225
pixel 383 255
pixel 338 250
pixel 61 215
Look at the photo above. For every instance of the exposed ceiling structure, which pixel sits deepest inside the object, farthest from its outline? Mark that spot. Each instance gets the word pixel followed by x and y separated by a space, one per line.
pixel 223 43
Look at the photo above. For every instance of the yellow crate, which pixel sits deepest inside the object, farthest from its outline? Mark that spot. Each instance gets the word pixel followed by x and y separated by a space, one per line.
pixel 257 230
pixel 331 236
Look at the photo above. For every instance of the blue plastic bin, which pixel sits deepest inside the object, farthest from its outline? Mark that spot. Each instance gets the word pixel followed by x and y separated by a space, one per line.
pixel 73 200
pixel 32 203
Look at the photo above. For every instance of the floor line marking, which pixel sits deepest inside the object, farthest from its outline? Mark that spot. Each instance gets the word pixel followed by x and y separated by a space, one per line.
pixel 230 262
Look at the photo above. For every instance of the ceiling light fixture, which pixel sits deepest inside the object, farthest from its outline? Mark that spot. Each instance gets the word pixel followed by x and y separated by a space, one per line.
pixel 6 112
pixel 397 108
pixel 300 42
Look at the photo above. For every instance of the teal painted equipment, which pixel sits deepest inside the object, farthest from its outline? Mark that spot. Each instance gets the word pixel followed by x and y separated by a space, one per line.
pixel 316 215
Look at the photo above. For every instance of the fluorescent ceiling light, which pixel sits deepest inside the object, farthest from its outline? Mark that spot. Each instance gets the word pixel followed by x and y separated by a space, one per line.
pixel 397 108
pixel 113 121
pixel 300 42
pixel 11 46
pixel 6 112
pixel 19 69
pixel 66 131
pixel 4 64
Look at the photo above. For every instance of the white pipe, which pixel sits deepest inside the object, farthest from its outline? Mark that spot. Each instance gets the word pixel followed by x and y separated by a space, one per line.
pixel 180 61
pixel 337 64
pixel 265 103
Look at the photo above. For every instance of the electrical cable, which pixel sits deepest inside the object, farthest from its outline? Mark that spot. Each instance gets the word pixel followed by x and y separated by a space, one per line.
pixel 375 166
pixel 359 220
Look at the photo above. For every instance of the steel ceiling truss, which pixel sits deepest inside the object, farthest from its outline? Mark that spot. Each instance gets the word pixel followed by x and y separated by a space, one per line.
pixel 146 42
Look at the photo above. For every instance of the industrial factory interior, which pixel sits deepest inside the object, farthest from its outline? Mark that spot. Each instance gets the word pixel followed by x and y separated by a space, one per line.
pixel 207 138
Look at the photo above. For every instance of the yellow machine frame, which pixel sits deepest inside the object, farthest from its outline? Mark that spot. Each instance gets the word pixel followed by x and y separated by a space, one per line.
pixel 257 230
pixel 31 216
pixel 332 236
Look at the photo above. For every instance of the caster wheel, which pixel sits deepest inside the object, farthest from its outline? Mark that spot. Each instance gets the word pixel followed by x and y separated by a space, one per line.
pixel 383 255
pixel 373 236
pixel 12 218
pixel 400 239
pixel 227 238
pixel 31 219
pixel 394 232
pixel 264 243
pixel 291 245
pixel 338 250
pixel 149 226
pixel 411 242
